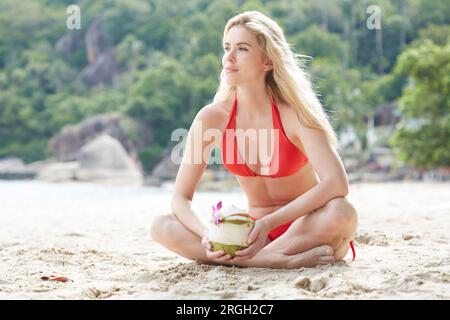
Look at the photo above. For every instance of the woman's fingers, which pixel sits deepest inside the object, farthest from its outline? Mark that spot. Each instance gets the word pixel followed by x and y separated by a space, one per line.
pixel 205 243
pixel 226 257
pixel 252 237
pixel 218 255
pixel 245 252
pixel 249 252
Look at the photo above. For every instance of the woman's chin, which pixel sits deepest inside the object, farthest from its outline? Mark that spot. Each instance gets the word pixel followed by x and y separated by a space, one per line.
pixel 232 82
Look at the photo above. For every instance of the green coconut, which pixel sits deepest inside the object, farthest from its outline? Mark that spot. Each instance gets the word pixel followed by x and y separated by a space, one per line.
pixel 227 248
pixel 237 239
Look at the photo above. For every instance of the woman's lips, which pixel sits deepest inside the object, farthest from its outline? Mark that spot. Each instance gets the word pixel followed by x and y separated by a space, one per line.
pixel 230 70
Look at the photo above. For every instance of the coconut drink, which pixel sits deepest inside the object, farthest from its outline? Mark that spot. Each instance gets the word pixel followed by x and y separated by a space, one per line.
pixel 229 229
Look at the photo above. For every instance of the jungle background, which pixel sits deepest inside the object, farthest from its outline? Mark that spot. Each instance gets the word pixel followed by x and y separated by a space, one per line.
pixel 138 70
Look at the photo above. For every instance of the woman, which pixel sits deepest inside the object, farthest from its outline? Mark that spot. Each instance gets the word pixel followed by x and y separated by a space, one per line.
pixel 298 199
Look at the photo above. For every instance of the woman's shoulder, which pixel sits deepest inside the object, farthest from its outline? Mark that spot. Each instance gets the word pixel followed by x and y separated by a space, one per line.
pixel 291 123
pixel 214 114
pixel 289 116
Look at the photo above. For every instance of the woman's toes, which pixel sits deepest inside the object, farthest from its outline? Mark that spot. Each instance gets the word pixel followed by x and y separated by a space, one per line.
pixel 325 250
pixel 319 255
pixel 326 259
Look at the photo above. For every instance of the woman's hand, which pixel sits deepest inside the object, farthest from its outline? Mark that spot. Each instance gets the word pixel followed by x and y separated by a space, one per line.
pixel 256 240
pixel 218 256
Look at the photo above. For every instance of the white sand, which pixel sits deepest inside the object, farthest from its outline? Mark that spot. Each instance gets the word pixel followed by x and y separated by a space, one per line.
pixel 98 237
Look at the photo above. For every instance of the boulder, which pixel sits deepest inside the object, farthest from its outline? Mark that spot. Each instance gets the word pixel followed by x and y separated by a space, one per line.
pixel 12 164
pixel 104 160
pixel 165 169
pixel 69 43
pixel 102 62
pixel 12 168
pixel 58 171
pixel 67 144
pixel 101 71
pixel 96 40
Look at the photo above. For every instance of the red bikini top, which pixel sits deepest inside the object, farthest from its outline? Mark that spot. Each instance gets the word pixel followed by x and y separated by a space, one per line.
pixel 287 158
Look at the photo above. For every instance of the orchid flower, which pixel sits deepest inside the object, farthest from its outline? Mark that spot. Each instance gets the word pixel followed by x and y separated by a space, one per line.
pixel 217 217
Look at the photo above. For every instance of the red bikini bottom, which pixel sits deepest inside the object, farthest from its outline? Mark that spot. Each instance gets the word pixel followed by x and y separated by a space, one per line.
pixel 278 231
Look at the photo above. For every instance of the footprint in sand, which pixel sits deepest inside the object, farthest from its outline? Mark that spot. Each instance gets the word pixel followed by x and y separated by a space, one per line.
pixel 409 236
pixel 302 282
pixel 228 295
pixel 376 239
pixel 434 263
pixel 95 293
pixel 146 277
pixel 73 234
pixel 314 285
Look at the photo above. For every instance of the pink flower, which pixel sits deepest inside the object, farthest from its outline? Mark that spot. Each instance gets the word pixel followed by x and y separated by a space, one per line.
pixel 217 217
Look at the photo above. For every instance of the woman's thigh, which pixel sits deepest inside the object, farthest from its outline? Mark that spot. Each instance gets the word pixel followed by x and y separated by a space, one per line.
pixel 330 224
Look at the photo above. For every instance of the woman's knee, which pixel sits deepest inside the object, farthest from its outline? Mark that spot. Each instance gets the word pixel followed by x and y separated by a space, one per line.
pixel 339 215
pixel 160 225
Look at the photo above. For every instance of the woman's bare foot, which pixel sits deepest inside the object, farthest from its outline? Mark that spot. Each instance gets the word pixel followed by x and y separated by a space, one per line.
pixel 312 257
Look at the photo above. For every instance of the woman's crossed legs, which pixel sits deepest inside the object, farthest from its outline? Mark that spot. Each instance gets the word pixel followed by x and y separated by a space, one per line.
pixel 320 237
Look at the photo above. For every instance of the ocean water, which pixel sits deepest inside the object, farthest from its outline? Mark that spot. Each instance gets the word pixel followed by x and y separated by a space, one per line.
pixel 39 209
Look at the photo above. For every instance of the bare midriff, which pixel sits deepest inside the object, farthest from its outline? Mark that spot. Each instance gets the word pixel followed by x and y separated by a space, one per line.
pixel 266 195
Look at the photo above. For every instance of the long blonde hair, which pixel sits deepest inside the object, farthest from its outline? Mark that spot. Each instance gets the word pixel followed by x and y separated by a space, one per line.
pixel 287 82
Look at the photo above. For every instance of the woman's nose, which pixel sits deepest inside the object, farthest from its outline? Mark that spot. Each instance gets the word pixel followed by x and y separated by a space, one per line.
pixel 230 56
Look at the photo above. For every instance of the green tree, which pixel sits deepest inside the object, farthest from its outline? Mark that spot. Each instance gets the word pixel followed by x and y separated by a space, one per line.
pixel 421 138
pixel 317 43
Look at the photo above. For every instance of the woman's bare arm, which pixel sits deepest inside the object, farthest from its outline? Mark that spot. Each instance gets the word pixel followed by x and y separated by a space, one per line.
pixel 330 169
pixel 195 159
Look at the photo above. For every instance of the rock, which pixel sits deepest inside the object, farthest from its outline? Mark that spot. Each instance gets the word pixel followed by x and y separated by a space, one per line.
pixel 58 171
pixel 102 62
pixel 67 144
pixel 96 40
pixel 104 160
pixel 69 43
pixel 14 168
pixel 12 165
pixel 102 71
pixel 39 165
pixel 104 152
pixel 166 169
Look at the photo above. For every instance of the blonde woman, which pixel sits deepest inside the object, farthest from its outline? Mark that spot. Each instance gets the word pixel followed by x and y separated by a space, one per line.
pixel 298 198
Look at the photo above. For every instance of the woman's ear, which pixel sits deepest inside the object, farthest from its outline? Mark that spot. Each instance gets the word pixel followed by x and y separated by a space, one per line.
pixel 268 65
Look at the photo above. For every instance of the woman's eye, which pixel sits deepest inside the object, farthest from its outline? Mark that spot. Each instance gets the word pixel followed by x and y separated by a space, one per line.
pixel 228 49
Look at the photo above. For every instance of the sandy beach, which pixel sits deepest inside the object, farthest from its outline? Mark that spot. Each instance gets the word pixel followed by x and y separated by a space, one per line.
pixel 97 237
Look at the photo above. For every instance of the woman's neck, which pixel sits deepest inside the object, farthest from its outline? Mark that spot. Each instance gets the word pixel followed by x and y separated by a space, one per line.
pixel 253 102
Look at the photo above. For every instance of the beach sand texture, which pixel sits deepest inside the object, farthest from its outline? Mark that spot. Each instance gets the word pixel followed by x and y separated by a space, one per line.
pixel 98 237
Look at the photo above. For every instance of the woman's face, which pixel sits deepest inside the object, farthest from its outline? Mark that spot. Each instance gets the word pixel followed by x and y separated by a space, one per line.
pixel 243 60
